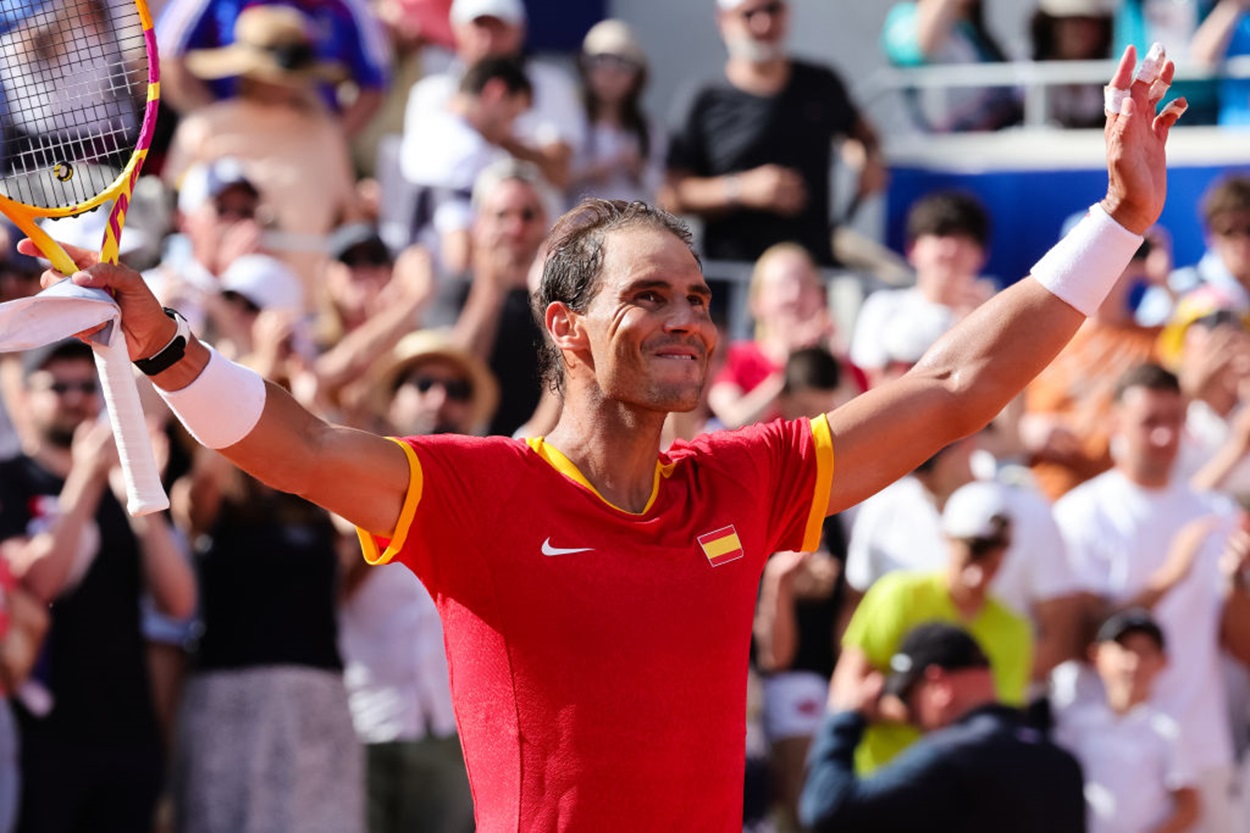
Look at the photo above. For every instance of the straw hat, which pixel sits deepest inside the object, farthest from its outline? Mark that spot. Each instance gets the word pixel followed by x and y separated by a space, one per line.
pixel 421 345
pixel 271 43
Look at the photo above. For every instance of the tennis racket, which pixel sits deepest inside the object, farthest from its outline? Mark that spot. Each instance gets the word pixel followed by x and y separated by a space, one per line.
pixel 81 85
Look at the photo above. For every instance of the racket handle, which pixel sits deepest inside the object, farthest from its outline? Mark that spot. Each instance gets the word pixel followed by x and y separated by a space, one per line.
pixel 134 448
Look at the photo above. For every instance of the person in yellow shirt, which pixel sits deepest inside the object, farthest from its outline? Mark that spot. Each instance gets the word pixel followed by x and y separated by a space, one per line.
pixel 978 529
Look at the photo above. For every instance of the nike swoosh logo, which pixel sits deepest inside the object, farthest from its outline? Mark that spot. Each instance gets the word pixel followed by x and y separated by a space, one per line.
pixel 550 550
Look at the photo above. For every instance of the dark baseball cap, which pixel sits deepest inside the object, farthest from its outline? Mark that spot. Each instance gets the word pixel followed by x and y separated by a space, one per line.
pixel 940 644
pixel 1134 620
pixel 359 242
pixel 38 358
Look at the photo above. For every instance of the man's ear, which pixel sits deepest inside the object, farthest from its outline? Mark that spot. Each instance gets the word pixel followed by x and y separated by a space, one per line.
pixel 564 326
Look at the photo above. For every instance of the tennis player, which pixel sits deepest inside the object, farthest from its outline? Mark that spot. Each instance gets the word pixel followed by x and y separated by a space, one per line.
pixel 597 594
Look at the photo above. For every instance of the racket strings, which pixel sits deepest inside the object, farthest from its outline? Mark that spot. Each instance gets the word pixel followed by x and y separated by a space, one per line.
pixel 76 77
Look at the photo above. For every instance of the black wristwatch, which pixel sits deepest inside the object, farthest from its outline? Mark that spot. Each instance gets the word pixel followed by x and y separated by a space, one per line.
pixel 170 353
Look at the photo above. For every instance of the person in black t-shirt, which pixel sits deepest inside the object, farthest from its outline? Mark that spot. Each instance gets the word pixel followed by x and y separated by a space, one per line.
pixel 750 152
pixel 91 747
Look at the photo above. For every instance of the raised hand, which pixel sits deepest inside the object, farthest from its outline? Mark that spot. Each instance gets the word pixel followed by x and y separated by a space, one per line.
pixel 1136 138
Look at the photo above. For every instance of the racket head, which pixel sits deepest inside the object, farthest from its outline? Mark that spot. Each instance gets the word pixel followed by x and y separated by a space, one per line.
pixel 83 86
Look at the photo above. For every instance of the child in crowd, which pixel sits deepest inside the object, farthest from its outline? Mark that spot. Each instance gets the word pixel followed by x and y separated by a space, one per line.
pixel 1134 778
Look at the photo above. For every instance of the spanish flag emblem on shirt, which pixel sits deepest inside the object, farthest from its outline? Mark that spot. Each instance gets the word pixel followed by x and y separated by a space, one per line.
pixel 721 546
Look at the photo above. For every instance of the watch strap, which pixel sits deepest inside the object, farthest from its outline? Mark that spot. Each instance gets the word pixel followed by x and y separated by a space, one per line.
pixel 171 353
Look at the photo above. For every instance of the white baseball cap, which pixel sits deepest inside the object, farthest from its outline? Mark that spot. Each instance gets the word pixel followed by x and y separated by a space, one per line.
pixel 467 11
pixel 975 510
pixel 265 281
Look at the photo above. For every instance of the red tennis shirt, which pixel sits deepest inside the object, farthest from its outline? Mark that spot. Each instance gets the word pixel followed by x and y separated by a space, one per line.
pixel 598 657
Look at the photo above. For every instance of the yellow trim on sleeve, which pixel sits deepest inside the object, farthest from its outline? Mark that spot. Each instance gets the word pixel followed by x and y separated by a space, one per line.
pixel 822 436
pixel 369 544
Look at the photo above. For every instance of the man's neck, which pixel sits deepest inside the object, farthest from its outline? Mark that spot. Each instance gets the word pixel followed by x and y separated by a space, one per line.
pixel 614 446
pixel 52 458
pixel 763 78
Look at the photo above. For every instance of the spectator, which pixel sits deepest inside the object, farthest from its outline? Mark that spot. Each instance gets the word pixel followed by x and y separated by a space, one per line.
pixel 799 614
pixel 219 219
pixel 264 737
pixel 948 234
pixel 1173 24
pixel 373 300
pixel 899 528
pixel 1206 345
pixel 1135 778
pixel 929 32
pixel 788 301
pixel 1065 427
pixel 978 768
pixel 1073 30
pixel 91 754
pixel 978 531
pixel 1226 263
pixel 750 152
pixel 551 130
pixel 1225 33
pixel 623 155
pixel 392 640
pixel 348 35
pixel 23 625
pixel 497 324
pixel 443 151
pixel 278 130
pixel 1118 527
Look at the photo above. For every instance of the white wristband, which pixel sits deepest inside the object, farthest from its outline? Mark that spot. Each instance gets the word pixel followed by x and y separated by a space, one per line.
pixel 222 405
pixel 1082 267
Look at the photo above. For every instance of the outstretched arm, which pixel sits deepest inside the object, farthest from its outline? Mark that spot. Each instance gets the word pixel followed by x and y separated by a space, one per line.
pixel 977 367
pixel 358 475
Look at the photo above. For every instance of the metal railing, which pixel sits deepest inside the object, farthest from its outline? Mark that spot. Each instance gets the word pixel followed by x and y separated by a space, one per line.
pixel 1035 78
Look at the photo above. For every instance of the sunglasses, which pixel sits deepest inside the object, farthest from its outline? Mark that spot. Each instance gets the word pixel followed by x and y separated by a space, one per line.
pixel 358 258
pixel 457 390
pixel 608 61
pixel 773 9
pixel 88 387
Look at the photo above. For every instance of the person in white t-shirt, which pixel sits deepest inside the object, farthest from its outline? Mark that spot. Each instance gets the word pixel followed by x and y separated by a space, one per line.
pixel 1119 528
pixel 553 128
pixel 442 152
pixel 947 239
pixel 1135 776
pixel 899 528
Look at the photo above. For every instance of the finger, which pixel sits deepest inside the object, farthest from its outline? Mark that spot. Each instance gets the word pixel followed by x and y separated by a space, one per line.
pixel 1124 72
pixel 1169 116
pixel 83 258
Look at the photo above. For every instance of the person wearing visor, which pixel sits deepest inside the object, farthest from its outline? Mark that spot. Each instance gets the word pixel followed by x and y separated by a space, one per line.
pixel 979 767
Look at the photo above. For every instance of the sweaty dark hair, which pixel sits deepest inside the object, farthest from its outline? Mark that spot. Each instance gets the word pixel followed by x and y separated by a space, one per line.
pixel 574 261
pixel 511 71
pixel 949 213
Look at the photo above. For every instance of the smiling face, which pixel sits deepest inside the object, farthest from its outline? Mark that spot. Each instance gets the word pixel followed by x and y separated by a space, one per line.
pixel 647 334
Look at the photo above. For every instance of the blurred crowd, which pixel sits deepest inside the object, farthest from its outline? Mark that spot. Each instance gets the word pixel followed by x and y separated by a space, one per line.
pixel 353 197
